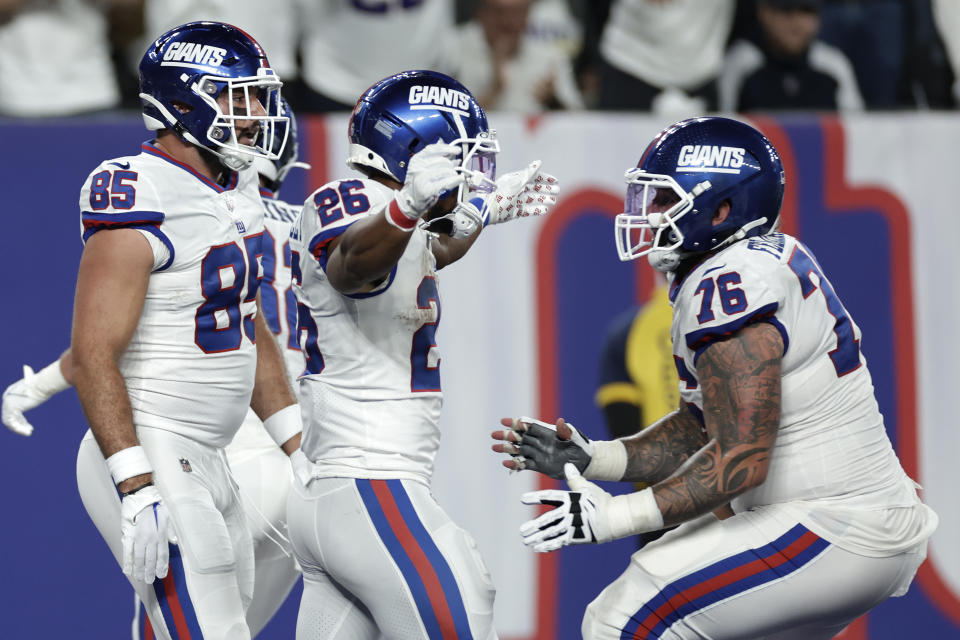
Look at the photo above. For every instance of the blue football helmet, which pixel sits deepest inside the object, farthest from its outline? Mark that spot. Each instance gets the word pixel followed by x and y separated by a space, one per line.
pixel 183 75
pixel 695 166
pixel 402 114
pixel 286 146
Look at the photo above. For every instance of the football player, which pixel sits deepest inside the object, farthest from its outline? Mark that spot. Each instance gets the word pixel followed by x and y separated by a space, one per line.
pixel 777 414
pixel 367 252
pixel 164 352
pixel 260 468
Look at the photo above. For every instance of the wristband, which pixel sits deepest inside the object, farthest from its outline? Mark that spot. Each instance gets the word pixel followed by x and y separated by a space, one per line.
pixel 633 513
pixel 50 381
pixel 608 462
pixel 128 463
pixel 284 424
pixel 396 217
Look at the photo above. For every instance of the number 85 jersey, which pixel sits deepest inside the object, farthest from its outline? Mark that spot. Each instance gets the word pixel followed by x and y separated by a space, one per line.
pixel 371 394
pixel 831 444
pixel 189 367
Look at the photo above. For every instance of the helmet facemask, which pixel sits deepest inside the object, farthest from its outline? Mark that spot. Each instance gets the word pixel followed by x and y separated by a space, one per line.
pixel 648 225
pixel 250 101
pixel 255 99
pixel 478 165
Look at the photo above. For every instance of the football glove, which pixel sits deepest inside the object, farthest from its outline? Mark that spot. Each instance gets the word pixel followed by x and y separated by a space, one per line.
pixel 144 528
pixel 537 446
pixel 587 514
pixel 431 173
pixel 520 194
pixel 30 391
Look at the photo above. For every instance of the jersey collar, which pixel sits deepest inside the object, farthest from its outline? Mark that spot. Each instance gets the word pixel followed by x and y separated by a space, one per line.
pixel 149 149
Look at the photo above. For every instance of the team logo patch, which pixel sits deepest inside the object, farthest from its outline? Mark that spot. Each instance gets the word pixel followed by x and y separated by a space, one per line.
pixel 185 465
pixel 240 227
pixel 707 157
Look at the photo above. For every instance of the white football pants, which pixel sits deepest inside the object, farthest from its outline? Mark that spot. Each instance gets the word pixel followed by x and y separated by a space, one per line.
pixel 210 581
pixel 755 575
pixel 381 555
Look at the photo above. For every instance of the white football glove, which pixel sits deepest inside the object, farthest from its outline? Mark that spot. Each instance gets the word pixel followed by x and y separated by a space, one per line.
pixel 587 514
pixel 144 527
pixel 519 194
pixel 32 390
pixel 432 172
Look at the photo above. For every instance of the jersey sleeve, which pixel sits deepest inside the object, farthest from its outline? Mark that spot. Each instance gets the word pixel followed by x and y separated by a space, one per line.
pixel 118 195
pixel 722 299
pixel 330 210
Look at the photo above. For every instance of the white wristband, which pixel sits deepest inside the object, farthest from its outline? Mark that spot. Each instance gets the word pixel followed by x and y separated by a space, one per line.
pixel 50 381
pixel 633 513
pixel 608 462
pixel 284 424
pixel 128 463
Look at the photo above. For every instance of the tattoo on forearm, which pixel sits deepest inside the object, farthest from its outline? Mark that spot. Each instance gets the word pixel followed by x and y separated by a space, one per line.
pixel 740 381
pixel 660 449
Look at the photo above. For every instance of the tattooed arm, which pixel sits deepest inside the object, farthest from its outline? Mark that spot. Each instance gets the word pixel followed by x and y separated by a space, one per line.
pixel 740 380
pixel 657 451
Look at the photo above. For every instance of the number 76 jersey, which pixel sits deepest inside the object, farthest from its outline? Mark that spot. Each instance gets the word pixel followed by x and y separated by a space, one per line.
pixel 371 393
pixel 831 444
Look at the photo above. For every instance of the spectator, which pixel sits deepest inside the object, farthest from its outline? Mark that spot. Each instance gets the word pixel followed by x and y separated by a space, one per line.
pixel 787 67
pixel 509 69
pixel 55 58
pixel 896 51
pixel 660 55
pixel 350 45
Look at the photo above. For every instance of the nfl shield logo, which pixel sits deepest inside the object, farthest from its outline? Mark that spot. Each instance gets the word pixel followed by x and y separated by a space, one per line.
pixel 185 465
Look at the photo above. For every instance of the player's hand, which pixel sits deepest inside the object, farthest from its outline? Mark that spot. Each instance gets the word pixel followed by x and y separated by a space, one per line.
pixel 23 395
pixel 573 519
pixel 431 173
pixel 144 525
pixel 587 513
pixel 519 194
pixel 539 446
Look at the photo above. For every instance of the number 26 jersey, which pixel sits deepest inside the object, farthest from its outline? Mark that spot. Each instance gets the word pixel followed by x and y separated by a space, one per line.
pixel 371 394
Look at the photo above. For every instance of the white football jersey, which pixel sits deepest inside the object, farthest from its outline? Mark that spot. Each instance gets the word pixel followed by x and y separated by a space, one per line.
pixel 832 450
pixel 189 367
pixel 371 395
pixel 276 292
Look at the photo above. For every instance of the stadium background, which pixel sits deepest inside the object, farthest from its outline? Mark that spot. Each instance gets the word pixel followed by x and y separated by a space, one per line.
pixel 523 316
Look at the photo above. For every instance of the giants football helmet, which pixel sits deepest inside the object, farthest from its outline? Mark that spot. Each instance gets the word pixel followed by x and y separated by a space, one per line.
pixel 185 71
pixel 286 146
pixel 403 113
pixel 685 174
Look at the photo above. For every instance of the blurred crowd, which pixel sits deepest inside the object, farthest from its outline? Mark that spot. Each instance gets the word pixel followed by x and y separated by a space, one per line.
pixel 67 57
